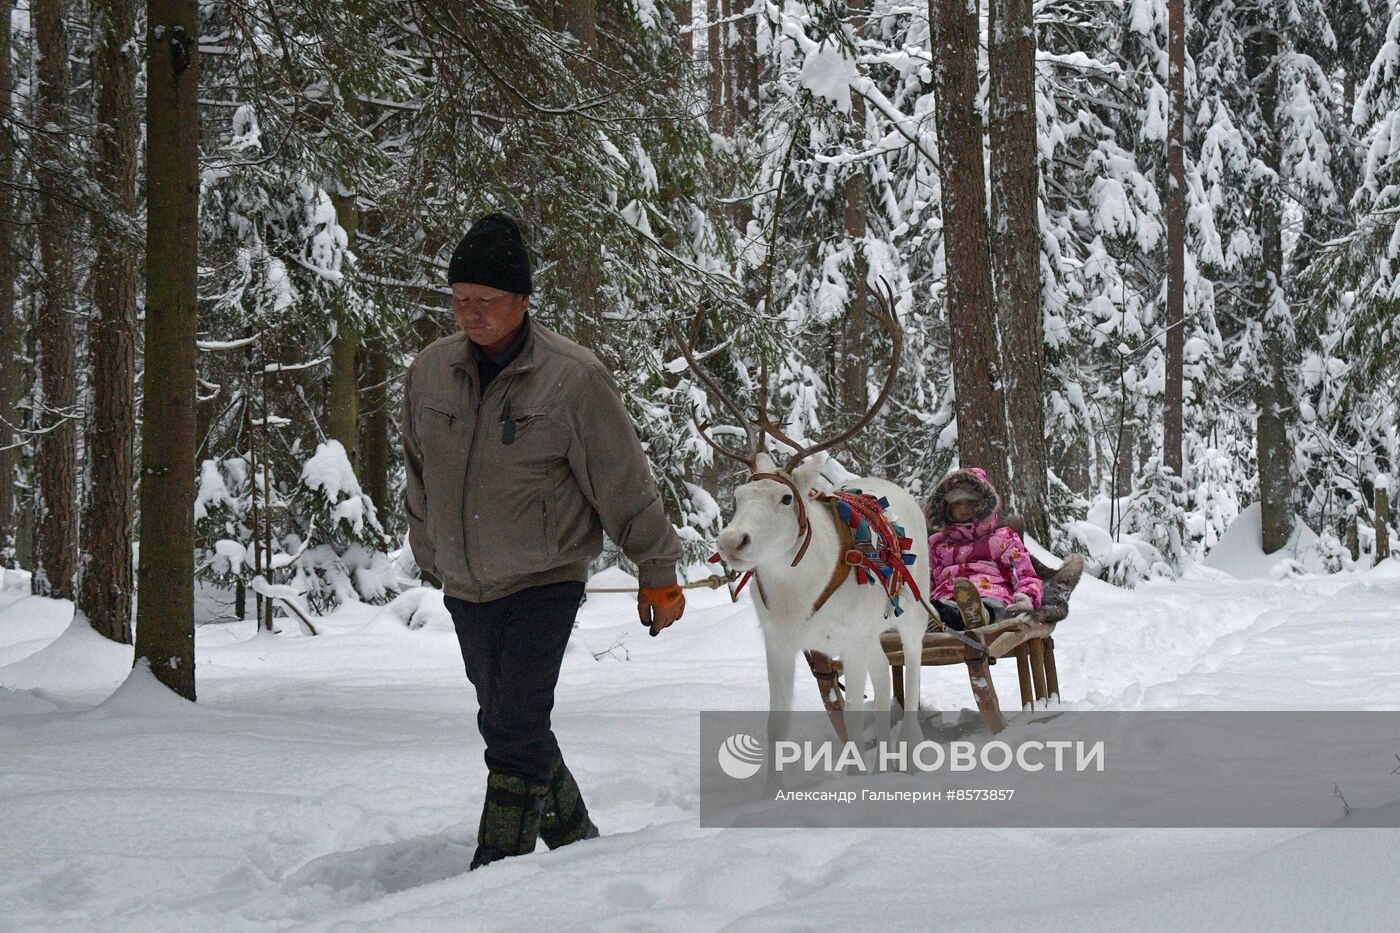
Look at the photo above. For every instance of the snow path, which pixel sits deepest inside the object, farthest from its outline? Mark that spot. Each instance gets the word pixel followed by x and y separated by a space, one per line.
pixel 333 783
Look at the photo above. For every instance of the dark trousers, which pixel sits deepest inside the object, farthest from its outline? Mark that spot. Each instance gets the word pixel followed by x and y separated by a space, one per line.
pixel 512 648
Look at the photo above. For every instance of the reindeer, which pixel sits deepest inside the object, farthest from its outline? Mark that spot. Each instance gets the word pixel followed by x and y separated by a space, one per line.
pixel 795 548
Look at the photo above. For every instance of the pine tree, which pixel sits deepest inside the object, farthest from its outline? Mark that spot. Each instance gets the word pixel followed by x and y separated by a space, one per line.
pixel 982 434
pixel 1265 150
pixel 108 520
pixel 1375 245
pixel 165 619
pixel 1015 199
pixel 9 320
pixel 1154 514
pixel 56 524
pixel 1292 146
pixel 222 524
pixel 340 551
pixel 1173 402
pixel 343 410
pixel 1348 372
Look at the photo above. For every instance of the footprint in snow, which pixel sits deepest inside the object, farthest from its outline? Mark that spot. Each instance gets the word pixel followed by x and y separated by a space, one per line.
pixel 366 874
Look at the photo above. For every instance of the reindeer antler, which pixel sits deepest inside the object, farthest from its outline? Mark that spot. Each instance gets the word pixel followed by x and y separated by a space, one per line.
pixel 890 322
pixel 764 424
pixel 751 431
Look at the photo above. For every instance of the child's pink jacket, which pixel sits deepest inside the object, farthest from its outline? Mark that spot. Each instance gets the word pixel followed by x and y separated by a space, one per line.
pixel 994 558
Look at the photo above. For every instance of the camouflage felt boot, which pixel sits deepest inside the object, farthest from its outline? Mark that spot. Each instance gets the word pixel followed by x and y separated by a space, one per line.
pixel 969 600
pixel 510 818
pixel 565 817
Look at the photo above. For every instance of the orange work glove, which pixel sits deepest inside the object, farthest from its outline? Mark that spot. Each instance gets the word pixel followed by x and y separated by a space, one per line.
pixel 659 606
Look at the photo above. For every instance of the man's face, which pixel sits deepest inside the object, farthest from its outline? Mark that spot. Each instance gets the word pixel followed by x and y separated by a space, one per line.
pixel 487 315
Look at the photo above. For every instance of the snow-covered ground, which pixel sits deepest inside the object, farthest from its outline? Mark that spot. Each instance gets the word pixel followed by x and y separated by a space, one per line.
pixel 334 782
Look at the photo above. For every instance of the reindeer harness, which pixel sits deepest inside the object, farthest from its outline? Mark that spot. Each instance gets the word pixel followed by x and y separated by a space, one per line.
pixel 872 546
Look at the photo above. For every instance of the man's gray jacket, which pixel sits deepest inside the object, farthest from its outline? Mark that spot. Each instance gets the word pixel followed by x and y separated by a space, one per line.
pixel 515 487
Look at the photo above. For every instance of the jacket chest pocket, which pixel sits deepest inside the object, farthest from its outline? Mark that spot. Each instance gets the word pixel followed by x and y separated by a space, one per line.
pixel 442 431
pixel 528 442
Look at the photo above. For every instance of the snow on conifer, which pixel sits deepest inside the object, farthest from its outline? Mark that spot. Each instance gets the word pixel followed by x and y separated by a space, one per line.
pixel 341 547
pixel 222 523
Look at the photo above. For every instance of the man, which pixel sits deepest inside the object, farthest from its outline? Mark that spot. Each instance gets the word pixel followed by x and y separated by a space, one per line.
pixel 519 456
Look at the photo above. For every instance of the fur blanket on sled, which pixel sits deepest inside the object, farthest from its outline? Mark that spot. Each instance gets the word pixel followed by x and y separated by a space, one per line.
pixel 1059 584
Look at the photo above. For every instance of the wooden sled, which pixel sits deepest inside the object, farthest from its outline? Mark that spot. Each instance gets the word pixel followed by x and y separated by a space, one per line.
pixel 1030 636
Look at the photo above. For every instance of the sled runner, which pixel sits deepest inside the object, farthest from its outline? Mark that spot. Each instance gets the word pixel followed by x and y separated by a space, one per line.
pixel 1028 635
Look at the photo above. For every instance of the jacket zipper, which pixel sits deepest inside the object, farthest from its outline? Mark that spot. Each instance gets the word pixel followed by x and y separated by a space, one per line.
pixel 471 460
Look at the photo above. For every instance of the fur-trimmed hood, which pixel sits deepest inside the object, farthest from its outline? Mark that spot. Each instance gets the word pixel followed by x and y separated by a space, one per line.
pixel 974 478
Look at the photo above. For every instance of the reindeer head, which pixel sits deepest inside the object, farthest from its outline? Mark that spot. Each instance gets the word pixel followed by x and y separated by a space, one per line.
pixel 770 514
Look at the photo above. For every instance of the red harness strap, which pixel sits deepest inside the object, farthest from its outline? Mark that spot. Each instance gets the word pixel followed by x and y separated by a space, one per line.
pixel 890 549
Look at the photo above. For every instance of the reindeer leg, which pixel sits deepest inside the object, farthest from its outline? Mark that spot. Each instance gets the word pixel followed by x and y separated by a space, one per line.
pixel 879 677
pixel 911 638
pixel 782 661
pixel 855 663
pixel 880 684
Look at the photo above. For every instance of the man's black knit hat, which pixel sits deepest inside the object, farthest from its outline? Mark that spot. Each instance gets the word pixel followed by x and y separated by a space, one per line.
pixel 493 254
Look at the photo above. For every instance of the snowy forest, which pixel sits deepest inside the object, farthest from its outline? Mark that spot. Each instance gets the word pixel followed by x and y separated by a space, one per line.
pixel 1144 253
pixel 1144 260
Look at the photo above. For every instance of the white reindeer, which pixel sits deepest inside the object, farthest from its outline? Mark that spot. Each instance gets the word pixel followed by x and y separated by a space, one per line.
pixel 795 547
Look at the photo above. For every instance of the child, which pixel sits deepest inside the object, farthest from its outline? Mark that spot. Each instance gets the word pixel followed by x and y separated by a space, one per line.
pixel 976 565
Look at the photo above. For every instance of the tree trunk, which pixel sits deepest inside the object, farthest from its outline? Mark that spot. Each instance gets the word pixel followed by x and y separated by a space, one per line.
pixel 254 487
pixel 9 321
pixel 1123 459
pixel 1173 413
pixel 343 418
pixel 579 18
pixel 853 365
pixel 1097 462
pixel 1348 96
pixel 165 620
pixel 267 491
pixel 205 411
pixel 748 40
pixel 981 410
pixel 1382 519
pixel 729 74
pixel 108 518
pixel 742 93
pixel 1016 264
pixel 374 442
pixel 741 54
pixel 56 532
pixel 714 80
pixel 1073 466
pixel 24 531
pixel 682 10
pixel 1271 389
